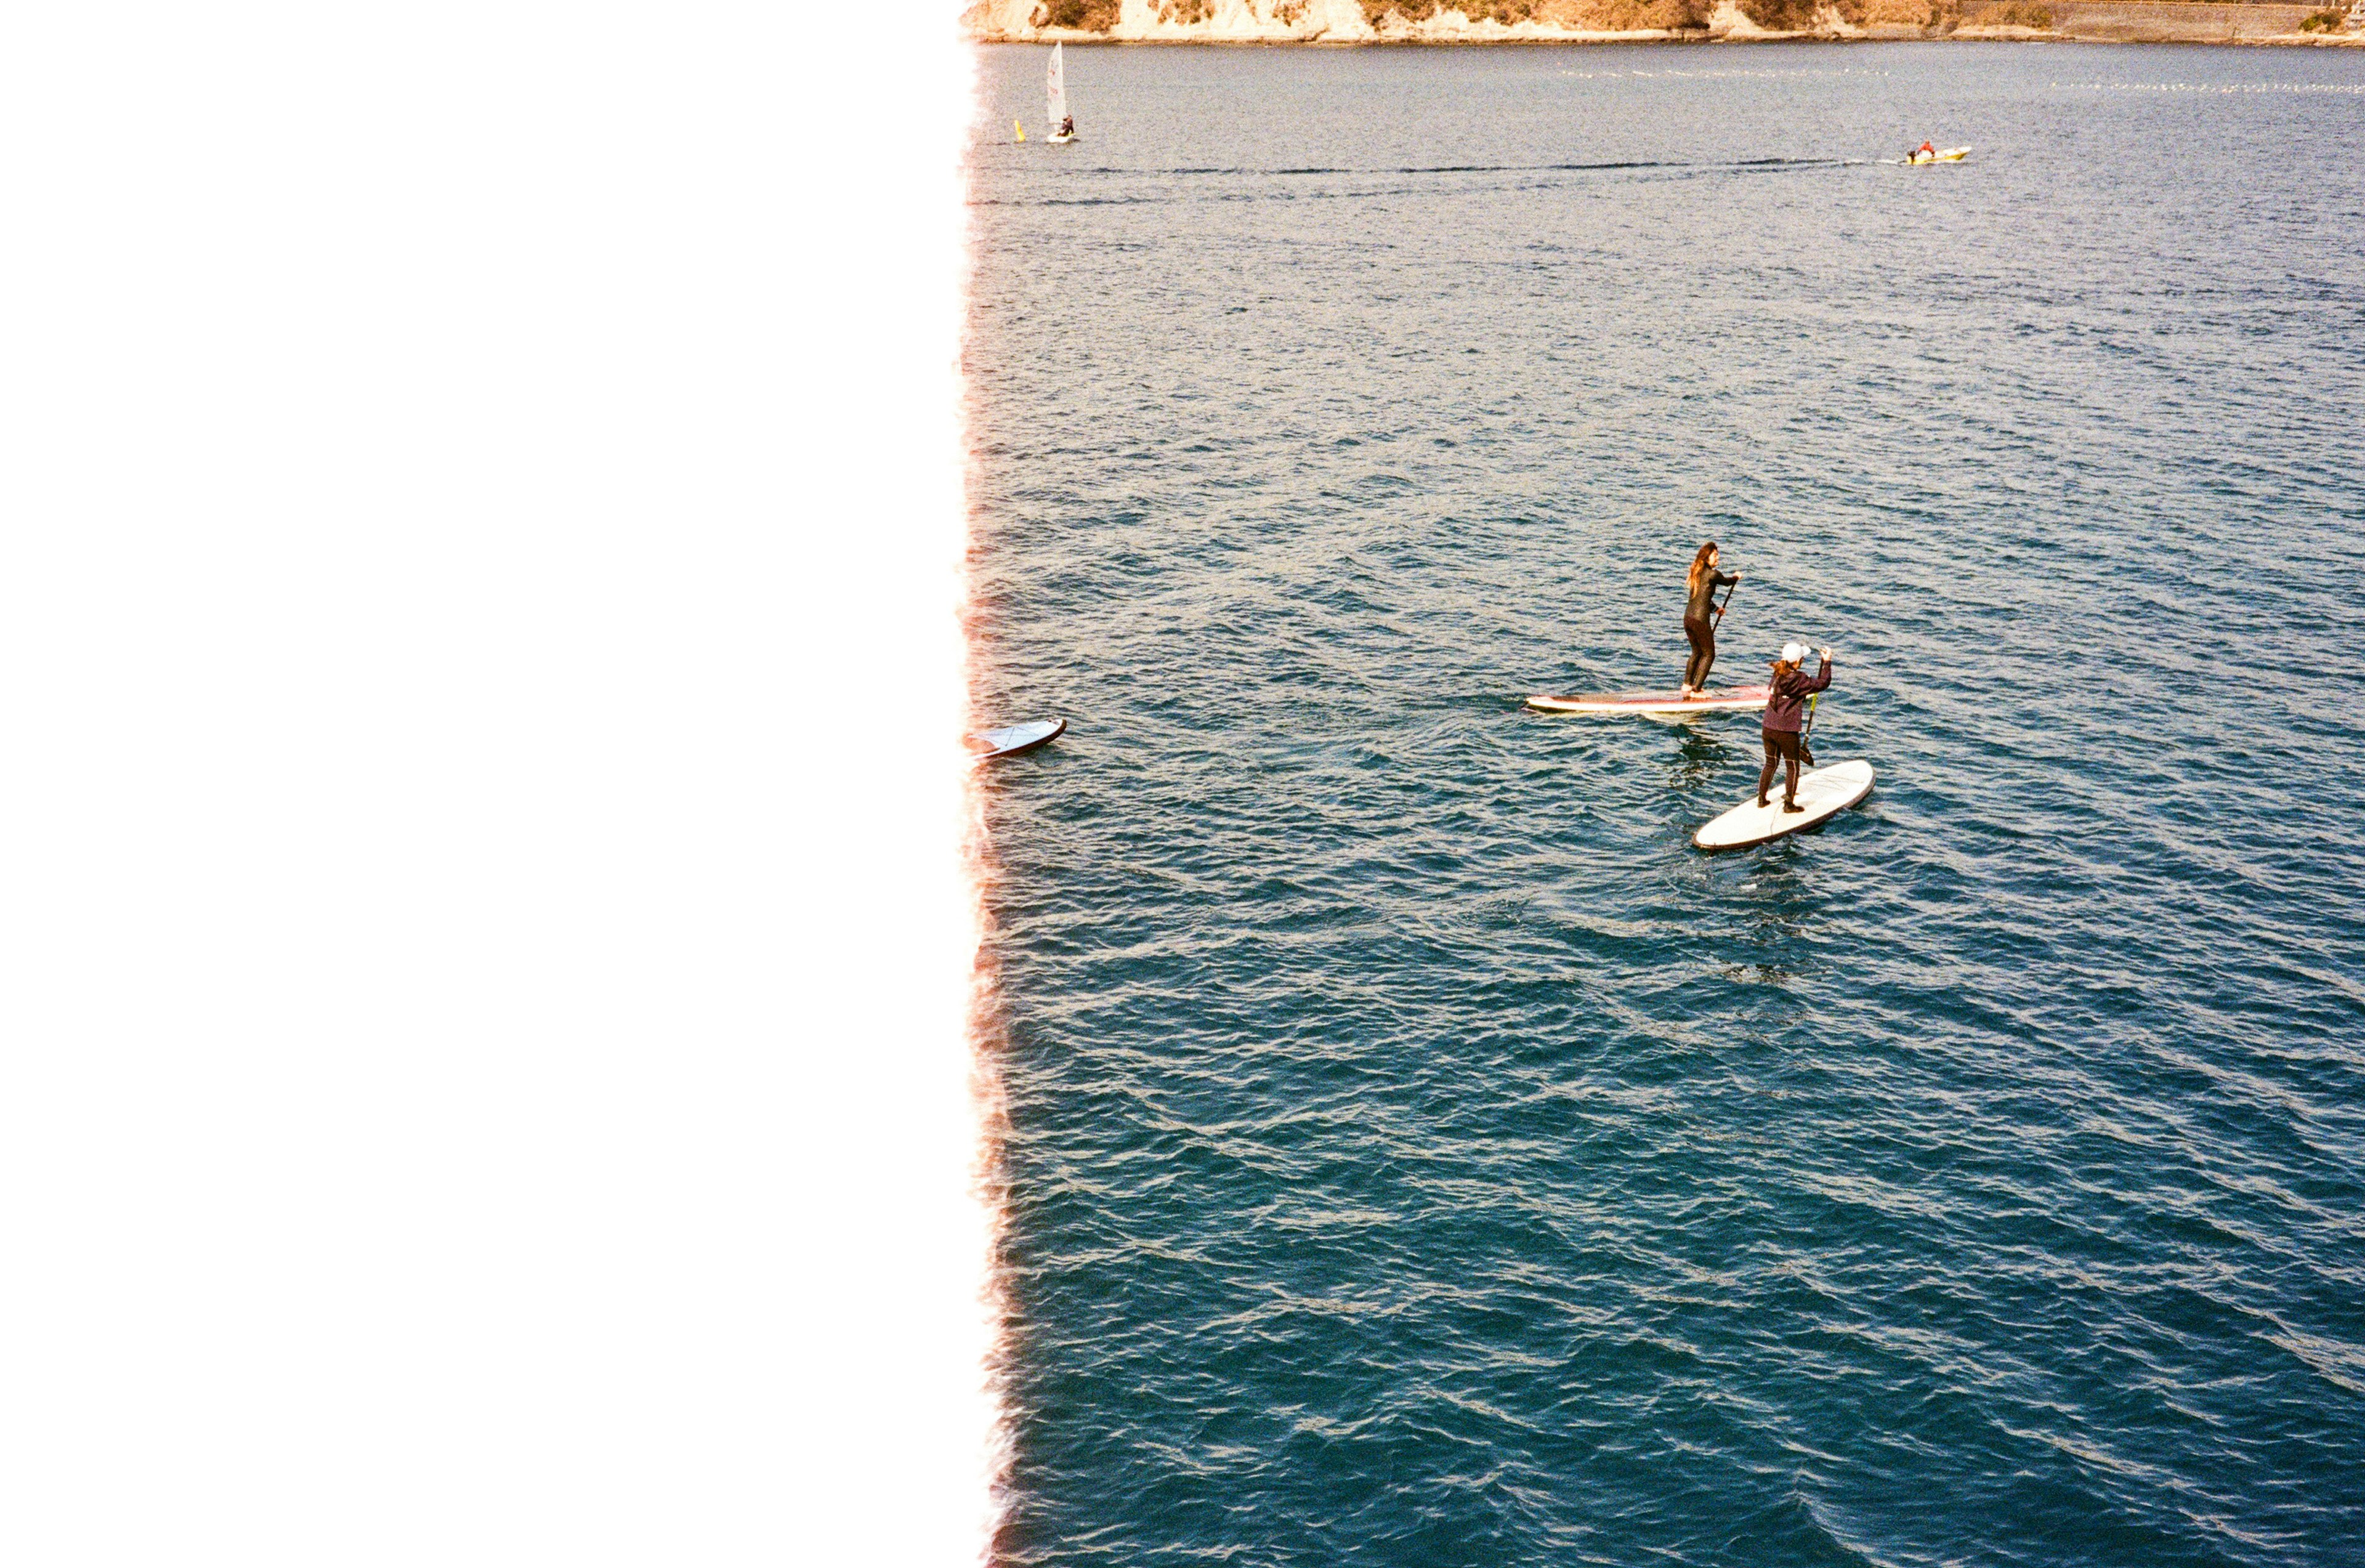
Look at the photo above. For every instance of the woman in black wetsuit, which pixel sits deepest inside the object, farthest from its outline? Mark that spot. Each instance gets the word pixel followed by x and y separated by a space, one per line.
pixel 1699 616
pixel 1786 695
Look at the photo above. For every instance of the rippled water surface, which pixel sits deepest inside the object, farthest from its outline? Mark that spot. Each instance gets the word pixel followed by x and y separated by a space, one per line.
pixel 1417 1153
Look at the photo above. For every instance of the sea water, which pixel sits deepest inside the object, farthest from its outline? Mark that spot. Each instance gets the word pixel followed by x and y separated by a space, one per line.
pixel 1415 1153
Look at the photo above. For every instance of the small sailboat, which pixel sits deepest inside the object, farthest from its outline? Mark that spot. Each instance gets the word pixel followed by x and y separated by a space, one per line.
pixel 1054 88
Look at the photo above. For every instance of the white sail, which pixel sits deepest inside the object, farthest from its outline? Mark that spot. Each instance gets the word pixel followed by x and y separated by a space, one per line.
pixel 1056 87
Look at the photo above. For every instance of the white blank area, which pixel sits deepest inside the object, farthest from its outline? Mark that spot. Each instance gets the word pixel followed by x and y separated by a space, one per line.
pixel 483 944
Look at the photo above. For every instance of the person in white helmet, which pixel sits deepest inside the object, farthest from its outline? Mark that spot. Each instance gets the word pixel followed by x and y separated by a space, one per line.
pixel 1785 698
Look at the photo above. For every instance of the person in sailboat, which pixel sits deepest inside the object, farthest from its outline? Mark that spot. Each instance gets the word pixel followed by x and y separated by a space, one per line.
pixel 1068 125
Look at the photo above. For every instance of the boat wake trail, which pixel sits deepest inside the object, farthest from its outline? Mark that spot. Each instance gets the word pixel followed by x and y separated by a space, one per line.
pixel 1676 167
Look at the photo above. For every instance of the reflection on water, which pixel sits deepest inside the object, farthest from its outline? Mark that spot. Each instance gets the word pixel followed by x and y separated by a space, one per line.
pixel 1704 758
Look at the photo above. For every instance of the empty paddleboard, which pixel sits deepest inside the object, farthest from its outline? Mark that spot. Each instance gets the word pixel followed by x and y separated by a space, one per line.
pixel 1016 739
pixel 1656 704
pixel 1824 793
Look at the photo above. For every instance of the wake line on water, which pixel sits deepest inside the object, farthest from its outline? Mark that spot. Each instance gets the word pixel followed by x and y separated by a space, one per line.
pixel 1744 165
pixel 1484 168
pixel 1499 168
pixel 2345 88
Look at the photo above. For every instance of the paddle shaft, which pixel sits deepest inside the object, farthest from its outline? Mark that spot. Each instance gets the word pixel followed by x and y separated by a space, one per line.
pixel 1728 600
pixel 1809 727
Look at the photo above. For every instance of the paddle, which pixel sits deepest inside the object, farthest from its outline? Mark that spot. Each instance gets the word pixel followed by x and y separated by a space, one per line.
pixel 1806 755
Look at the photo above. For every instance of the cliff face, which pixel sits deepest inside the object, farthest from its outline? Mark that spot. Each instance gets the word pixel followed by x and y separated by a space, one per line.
pixel 1328 21
pixel 1143 21
pixel 1544 21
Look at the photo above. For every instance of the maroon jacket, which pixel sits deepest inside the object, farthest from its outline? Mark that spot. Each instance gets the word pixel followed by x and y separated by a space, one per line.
pixel 1788 695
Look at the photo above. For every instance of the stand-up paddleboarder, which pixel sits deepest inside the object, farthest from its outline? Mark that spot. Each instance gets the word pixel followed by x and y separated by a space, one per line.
pixel 1786 695
pixel 1701 613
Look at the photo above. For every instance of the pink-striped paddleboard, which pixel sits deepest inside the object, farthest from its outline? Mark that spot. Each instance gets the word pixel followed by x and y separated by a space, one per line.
pixel 1657 704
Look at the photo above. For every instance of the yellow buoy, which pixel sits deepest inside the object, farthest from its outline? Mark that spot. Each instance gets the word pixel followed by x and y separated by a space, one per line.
pixel 1019 128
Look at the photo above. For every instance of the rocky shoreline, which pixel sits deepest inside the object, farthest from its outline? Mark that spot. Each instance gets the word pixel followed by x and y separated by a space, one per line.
pixel 1358 22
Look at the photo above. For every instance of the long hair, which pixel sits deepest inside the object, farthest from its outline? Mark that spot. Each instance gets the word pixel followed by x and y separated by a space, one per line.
pixel 1699 566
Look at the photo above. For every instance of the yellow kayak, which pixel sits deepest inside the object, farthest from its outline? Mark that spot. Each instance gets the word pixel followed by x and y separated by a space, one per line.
pixel 1944 155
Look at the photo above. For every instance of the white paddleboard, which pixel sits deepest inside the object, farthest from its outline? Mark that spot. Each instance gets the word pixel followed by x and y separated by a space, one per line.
pixel 1016 739
pixel 1824 793
pixel 1656 704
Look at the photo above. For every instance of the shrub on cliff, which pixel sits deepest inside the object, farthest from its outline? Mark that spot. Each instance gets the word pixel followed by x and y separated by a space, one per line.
pixel 1091 16
pixel 1799 16
pixel 2327 20
pixel 1593 16
pixel 1636 15
pixel 1503 11
pixel 2013 14
pixel 1910 13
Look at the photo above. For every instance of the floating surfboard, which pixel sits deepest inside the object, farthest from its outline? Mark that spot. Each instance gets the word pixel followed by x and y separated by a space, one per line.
pixel 1016 739
pixel 1824 793
pixel 1656 704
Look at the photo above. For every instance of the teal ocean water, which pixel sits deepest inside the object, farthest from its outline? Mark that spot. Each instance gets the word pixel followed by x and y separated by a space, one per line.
pixel 1415 1153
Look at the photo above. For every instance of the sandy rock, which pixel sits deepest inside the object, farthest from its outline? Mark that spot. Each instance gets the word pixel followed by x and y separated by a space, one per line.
pixel 1730 21
pixel 1337 21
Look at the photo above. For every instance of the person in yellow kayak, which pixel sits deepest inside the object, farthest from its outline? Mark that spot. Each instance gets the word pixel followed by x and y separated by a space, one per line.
pixel 1925 151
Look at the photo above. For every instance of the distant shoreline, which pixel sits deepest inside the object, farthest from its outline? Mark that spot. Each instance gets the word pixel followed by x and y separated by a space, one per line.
pixel 1350 24
pixel 1992 35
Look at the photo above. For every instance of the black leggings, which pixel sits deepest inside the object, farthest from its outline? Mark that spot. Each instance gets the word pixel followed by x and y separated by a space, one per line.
pixel 1781 745
pixel 1703 635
